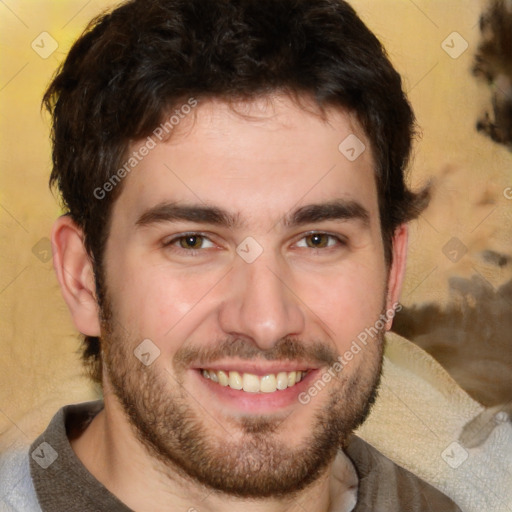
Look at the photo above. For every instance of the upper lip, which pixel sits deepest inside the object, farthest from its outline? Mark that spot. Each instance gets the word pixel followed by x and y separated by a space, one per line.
pixel 258 368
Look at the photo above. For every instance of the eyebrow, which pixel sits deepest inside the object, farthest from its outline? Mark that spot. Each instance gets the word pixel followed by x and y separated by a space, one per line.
pixel 338 209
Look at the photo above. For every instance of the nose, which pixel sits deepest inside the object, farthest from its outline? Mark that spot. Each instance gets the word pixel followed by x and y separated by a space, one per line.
pixel 260 302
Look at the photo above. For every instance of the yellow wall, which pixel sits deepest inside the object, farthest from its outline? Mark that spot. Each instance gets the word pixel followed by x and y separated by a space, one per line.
pixel 39 365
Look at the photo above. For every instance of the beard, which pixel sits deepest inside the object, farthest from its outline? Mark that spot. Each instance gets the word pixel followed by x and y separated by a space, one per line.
pixel 253 463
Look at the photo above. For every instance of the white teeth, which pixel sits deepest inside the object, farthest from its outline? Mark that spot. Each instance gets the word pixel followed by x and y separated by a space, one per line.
pixel 235 380
pixel 253 383
pixel 268 384
pixel 282 380
pixel 223 378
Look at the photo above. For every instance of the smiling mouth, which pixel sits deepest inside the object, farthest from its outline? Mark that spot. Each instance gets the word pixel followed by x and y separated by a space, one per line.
pixel 253 383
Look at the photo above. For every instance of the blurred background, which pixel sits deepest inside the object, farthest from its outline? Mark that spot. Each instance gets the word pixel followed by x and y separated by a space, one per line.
pixel 458 290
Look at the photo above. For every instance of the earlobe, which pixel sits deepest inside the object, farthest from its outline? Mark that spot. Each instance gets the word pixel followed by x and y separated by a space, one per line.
pixel 75 275
pixel 397 270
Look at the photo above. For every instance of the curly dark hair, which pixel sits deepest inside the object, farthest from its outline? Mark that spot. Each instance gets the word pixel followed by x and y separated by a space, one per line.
pixel 135 64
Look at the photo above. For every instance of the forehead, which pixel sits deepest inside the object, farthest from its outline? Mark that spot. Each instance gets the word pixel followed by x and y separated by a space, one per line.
pixel 257 159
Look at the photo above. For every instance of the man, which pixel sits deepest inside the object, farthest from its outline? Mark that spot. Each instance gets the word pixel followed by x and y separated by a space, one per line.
pixel 233 172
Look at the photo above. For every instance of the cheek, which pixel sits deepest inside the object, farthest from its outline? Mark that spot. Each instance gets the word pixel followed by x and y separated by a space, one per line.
pixel 347 301
pixel 156 303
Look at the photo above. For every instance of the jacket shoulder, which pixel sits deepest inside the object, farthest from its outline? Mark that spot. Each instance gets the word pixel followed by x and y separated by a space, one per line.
pixel 384 484
pixel 17 493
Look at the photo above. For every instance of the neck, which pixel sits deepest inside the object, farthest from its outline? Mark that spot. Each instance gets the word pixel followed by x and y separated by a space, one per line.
pixel 113 454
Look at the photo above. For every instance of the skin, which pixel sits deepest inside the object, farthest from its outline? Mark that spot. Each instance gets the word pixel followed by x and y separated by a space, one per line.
pixel 260 170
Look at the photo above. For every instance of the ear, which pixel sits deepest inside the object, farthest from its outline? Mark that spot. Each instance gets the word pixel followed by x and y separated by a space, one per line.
pixel 397 270
pixel 75 275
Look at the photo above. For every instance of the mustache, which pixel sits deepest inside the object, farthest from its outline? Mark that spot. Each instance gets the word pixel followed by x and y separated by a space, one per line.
pixel 286 349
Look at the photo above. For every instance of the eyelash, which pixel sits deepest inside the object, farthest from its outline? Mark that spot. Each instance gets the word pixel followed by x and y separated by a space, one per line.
pixel 340 241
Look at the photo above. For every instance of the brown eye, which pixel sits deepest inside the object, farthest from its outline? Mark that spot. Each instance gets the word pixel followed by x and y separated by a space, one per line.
pixel 321 241
pixel 317 240
pixel 189 244
pixel 191 241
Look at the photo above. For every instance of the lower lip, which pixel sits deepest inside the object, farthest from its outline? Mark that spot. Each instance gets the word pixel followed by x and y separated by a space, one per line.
pixel 244 401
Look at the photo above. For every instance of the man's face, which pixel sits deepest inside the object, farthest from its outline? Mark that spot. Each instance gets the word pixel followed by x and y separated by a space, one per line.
pixel 268 259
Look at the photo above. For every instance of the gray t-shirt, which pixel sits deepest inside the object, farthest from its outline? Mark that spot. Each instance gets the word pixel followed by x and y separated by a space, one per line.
pixel 63 484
